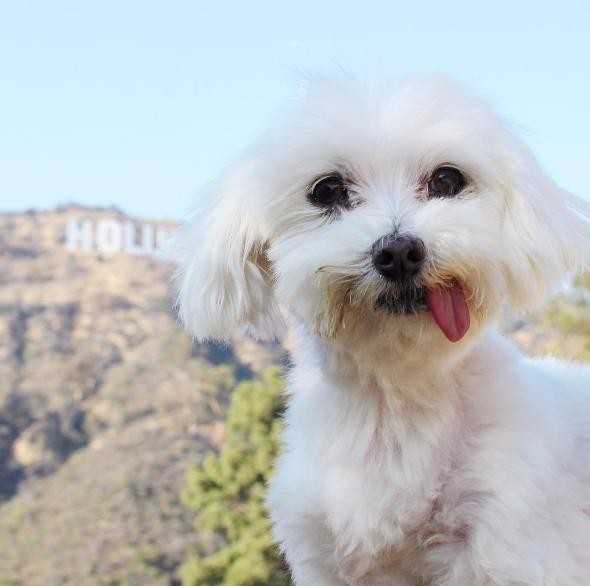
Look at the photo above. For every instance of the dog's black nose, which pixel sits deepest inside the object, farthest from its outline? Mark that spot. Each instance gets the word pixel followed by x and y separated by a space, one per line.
pixel 398 257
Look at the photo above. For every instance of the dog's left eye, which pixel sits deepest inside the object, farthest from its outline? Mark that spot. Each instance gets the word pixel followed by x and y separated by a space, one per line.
pixel 329 191
pixel 446 181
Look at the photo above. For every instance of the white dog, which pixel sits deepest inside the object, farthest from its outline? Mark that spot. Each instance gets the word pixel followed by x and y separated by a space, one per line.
pixel 393 219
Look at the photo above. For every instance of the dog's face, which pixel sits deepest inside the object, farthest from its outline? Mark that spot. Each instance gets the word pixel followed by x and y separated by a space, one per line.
pixel 406 209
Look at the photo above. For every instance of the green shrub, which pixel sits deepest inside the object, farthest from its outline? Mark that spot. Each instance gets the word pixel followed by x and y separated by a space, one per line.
pixel 229 488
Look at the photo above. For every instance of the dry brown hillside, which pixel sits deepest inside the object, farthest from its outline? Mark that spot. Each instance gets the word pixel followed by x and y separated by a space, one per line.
pixel 104 402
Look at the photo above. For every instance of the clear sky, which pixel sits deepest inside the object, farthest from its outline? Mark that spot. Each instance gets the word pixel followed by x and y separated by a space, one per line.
pixel 139 103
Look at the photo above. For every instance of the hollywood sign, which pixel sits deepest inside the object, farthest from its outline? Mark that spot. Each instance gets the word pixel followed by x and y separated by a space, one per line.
pixel 110 236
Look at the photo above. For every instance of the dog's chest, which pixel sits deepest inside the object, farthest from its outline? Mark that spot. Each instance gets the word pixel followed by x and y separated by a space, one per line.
pixel 372 472
pixel 390 500
pixel 383 525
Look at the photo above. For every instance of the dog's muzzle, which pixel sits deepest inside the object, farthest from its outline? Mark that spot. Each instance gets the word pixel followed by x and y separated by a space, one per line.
pixel 398 258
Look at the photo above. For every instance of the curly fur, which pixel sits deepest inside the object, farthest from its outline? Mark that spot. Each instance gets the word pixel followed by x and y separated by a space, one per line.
pixel 408 459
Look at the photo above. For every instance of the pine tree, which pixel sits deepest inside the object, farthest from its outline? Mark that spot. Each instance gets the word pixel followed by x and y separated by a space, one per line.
pixel 229 488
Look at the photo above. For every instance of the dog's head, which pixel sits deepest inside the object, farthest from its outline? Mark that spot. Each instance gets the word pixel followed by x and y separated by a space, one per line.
pixel 402 208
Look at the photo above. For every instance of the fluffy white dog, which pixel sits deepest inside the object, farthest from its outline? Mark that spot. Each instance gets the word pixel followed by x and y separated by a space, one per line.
pixel 393 219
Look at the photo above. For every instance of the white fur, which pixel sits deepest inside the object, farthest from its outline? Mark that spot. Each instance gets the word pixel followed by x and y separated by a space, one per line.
pixel 407 460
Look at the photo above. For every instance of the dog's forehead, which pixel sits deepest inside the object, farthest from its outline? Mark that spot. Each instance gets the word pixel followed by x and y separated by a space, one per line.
pixel 347 116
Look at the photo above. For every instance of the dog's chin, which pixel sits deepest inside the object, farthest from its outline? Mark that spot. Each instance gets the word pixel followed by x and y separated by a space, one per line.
pixel 405 300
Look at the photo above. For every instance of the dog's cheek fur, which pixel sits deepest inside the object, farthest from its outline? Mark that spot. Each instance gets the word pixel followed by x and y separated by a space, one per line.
pixel 315 266
pixel 462 237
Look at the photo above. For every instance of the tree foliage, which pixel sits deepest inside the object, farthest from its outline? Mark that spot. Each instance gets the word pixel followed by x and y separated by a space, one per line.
pixel 229 488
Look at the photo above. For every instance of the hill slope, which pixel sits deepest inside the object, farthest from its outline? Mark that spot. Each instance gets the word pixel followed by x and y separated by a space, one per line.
pixel 104 402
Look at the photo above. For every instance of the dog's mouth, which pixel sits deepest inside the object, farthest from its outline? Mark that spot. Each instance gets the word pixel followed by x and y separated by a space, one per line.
pixel 447 305
pixel 403 300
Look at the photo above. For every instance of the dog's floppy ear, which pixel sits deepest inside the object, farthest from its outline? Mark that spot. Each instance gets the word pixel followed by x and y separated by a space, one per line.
pixel 224 277
pixel 547 235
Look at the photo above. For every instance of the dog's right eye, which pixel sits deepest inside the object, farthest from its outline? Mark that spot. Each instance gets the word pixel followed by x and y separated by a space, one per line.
pixel 329 191
pixel 446 181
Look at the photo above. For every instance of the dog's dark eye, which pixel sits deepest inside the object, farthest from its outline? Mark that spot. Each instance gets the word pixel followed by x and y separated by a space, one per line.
pixel 446 182
pixel 329 191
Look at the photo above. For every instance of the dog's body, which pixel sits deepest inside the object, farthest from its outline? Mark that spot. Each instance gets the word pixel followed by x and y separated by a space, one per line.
pixel 486 482
pixel 420 447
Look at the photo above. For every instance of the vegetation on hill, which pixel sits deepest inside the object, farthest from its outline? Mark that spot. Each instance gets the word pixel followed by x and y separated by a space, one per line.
pixel 228 491
pixel 104 403
pixel 561 328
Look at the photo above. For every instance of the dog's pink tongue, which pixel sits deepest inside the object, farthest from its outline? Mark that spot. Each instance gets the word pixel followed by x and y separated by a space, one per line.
pixel 449 310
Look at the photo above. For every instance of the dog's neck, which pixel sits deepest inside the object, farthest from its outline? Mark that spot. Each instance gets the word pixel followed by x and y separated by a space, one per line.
pixel 396 368
pixel 402 376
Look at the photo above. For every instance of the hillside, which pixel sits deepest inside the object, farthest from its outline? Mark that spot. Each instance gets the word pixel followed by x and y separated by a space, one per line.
pixel 104 401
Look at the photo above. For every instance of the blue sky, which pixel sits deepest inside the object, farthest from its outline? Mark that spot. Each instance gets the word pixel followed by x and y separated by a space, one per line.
pixel 139 104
